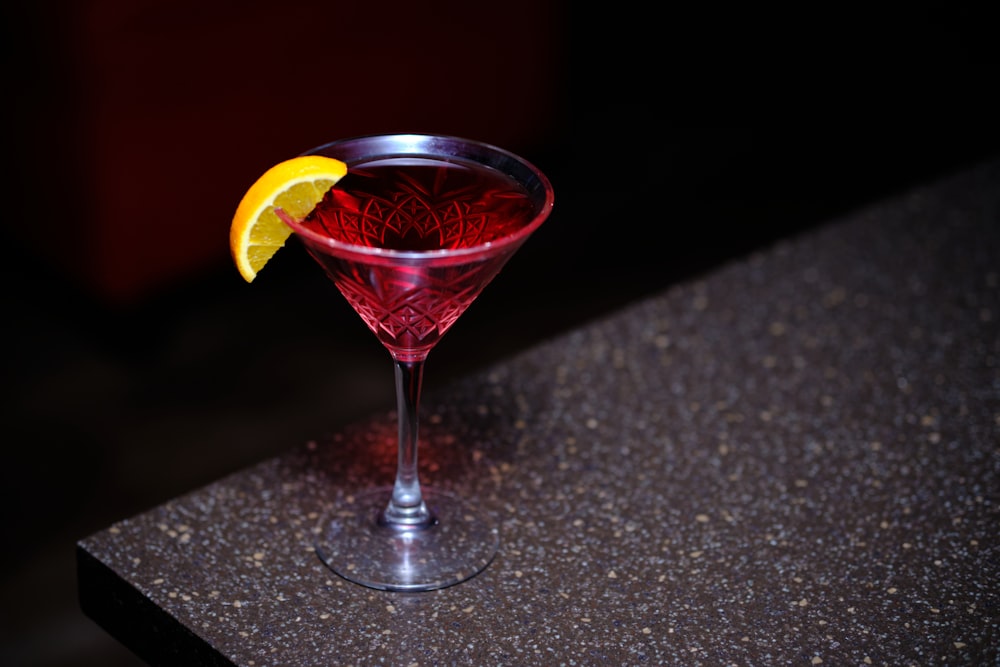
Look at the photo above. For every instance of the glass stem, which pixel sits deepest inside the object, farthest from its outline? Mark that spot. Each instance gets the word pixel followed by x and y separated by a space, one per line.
pixel 406 509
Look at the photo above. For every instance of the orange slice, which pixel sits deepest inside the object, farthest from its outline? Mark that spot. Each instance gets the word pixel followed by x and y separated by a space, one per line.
pixel 295 186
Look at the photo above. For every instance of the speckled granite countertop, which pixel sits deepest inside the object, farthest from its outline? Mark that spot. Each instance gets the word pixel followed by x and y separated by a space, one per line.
pixel 792 461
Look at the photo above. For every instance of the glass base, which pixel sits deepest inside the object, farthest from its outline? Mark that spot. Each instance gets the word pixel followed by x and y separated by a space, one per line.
pixel 458 546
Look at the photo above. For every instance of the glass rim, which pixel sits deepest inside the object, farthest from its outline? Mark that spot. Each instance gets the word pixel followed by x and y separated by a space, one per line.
pixel 429 145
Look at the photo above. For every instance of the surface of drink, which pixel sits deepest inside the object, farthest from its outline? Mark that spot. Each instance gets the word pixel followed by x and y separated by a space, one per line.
pixel 408 203
pixel 417 206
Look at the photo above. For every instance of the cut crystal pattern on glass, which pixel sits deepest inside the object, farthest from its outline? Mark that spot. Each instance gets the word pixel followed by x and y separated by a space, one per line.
pixel 448 210
pixel 407 312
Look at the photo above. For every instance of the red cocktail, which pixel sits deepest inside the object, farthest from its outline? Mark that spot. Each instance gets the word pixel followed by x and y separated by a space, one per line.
pixel 411 235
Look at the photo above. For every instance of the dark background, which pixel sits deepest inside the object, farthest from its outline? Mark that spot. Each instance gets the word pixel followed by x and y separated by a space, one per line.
pixel 676 140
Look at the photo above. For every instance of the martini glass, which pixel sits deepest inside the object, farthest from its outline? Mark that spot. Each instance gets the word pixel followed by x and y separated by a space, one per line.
pixel 411 236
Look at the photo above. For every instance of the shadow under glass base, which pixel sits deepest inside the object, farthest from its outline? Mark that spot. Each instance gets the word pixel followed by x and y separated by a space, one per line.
pixel 459 546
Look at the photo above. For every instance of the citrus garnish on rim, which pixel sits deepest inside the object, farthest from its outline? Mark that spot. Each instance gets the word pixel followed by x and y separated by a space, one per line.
pixel 295 186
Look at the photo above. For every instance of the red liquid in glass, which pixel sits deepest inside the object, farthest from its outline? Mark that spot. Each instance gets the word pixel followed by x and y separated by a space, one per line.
pixel 417 204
